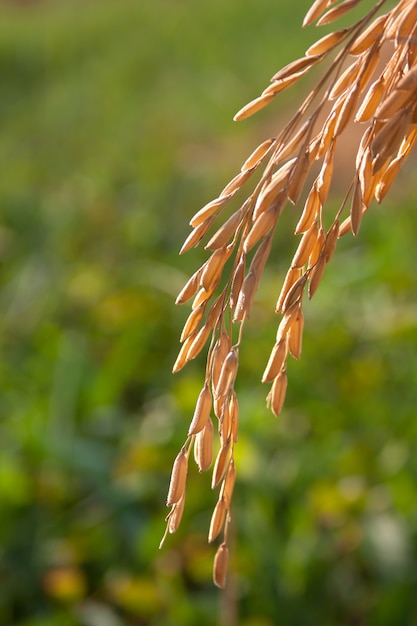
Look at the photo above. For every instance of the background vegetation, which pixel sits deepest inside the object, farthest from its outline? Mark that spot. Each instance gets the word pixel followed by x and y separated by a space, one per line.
pixel 115 128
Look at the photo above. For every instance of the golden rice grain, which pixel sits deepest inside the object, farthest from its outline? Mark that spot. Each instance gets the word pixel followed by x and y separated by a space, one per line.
pixel 316 10
pixel 388 140
pixel 219 406
pixel 292 276
pixel 286 322
pixel 198 342
pixel 220 352
pixel 295 293
pixel 257 155
pixel 215 311
pixel 276 396
pixel 237 282
pixel 337 12
pixel 295 334
pixel 228 484
pixel 346 109
pixel 261 256
pixel 196 235
pixel 317 248
pixel 275 199
pixel 387 179
pixel 286 148
pixel 311 208
pixel 273 187
pixel 178 478
pixel 253 107
pixel 298 176
pixel 245 297
pixel 203 447
pixel 193 321
pixel 181 359
pixel 316 274
pixel 408 142
pixel 366 178
pixel 190 288
pixel 331 240
pixel 217 520
pixel 398 100
pixel 209 209
pixel 327 136
pixel 345 80
pixel 324 179
pixel 407 22
pixel 225 419
pixel 327 43
pixel 227 374
pixel 371 101
pixel 236 182
pixel 296 66
pixel 175 515
pixel 230 419
pixel 276 361
pixel 222 236
pixel 370 65
pixel 305 246
pixel 213 267
pixel 220 566
pixel 369 35
pixel 221 463
pixel 264 223
pixel 202 296
pixel 345 227
pixel 356 209
pixel 201 411
pixel 279 85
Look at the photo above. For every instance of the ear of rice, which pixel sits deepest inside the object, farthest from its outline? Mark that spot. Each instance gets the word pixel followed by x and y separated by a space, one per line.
pixel 362 86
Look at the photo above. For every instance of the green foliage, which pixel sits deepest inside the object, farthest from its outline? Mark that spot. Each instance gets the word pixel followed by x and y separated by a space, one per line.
pixel 115 128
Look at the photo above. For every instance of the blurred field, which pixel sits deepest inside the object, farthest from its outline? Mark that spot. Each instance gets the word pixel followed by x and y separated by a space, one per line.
pixel 115 127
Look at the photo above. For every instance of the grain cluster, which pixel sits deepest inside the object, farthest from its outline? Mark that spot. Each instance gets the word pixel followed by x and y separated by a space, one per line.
pixel 370 81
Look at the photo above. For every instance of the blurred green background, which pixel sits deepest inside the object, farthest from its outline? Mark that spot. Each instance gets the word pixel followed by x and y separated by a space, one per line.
pixel 116 127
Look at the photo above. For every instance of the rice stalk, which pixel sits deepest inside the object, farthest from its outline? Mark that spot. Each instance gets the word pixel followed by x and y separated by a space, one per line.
pixel 378 96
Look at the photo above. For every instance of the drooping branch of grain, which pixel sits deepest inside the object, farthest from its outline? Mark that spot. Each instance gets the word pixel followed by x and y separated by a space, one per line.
pixel 357 87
